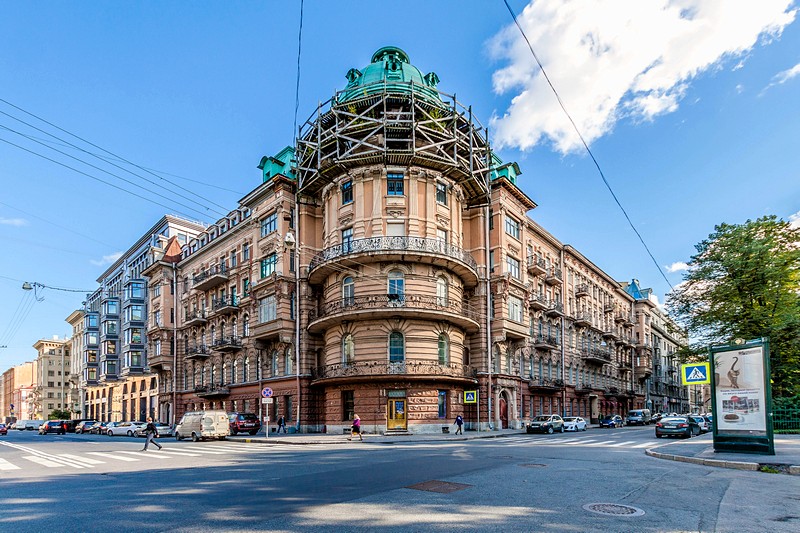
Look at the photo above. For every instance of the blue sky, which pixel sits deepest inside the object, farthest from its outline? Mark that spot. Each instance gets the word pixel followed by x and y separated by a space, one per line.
pixel 691 108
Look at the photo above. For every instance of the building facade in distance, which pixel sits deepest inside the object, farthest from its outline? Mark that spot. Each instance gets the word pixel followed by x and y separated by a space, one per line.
pixel 52 367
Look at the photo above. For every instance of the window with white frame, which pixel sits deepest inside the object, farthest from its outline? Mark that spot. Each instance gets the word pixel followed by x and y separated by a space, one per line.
pixel 441 291
pixel 348 291
pixel 269 224
pixel 348 349
pixel 444 349
pixel 267 309
pixel 441 193
pixel 512 266
pixel 515 308
pixel 512 226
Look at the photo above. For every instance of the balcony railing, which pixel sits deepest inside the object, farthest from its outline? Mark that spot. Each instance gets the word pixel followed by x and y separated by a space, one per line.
pixel 596 355
pixel 543 341
pixel 393 301
pixel 582 290
pixel 211 277
pixel 211 391
pixel 583 319
pixel 200 351
pixel 583 388
pixel 538 302
pixel 392 244
pixel 546 384
pixel 554 308
pixel 536 266
pixel 227 344
pixel 553 276
pixel 195 318
pixel 412 367
pixel 228 304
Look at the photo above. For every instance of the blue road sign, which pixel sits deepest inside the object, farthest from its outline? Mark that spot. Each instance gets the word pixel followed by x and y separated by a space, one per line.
pixel 266 392
pixel 470 396
pixel 695 374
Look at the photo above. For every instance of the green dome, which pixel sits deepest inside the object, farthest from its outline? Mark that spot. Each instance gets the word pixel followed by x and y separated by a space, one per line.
pixel 390 69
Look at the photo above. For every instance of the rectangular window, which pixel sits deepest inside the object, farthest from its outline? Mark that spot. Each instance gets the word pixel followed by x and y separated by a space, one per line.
pixel 394 185
pixel 268 265
pixel 134 336
pixel 441 235
pixel 245 287
pixel 515 308
pixel 491 261
pixel 512 266
pixel 291 218
pixel 112 307
pixel 136 313
pixel 512 227
pixel 157 318
pixel 245 252
pixel 111 367
pixel 267 309
pixel 233 258
pixel 347 240
pixel 291 261
pixel 91 321
pixel 269 224
pixel 348 405
pixel 442 404
pixel 91 338
pixel 491 219
pixel 157 348
pixel 135 358
pixel 110 347
pixel 136 290
pixel 91 356
pixel 441 193
pixel 396 229
pixel 347 192
pixel 91 373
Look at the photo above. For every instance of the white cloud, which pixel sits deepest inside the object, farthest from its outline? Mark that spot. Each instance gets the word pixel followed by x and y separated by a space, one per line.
pixel 13 221
pixel 106 260
pixel 677 267
pixel 611 59
pixel 782 77
pixel 794 220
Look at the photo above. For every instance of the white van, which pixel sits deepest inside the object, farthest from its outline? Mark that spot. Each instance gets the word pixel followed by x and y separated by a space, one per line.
pixel 198 425
pixel 638 416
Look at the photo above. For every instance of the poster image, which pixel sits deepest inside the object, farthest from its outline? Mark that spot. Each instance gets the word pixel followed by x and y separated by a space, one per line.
pixel 739 376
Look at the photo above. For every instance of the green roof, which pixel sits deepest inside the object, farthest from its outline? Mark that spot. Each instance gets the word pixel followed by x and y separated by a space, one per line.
pixel 281 163
pixel 390 69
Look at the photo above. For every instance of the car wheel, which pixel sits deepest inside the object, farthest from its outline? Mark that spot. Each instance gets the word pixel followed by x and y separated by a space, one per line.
pixel 550 430
pixel 562 429
pixel 109 433
pixel 194 437
pixel 130 433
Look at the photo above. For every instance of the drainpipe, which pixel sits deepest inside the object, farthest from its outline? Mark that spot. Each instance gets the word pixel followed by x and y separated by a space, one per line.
pixel 488 316
pixel 297 305
pixel 174 344
pixel 563 336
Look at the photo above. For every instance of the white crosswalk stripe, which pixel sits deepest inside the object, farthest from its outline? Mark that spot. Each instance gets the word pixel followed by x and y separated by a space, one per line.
pixel 5 465
pixel 622 443
pixel 42 461
pixel 140 453
pixel 112 456
pixel 81 460
pixel 181 454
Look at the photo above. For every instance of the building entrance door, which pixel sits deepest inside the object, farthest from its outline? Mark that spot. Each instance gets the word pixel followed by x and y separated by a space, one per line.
pixel 503 412
pixel 396 414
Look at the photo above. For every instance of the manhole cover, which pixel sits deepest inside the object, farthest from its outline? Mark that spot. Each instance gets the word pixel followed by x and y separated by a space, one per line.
pixel 445 487
pixel 533 465
pixel 613 509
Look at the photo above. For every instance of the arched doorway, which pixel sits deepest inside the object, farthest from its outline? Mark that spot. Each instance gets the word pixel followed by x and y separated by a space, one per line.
pixel 503 410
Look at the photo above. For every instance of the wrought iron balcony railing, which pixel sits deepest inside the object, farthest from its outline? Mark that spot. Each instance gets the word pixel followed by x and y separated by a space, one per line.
pixel 391 244
pixel 546 384
pixel 415 367
pixel 393 301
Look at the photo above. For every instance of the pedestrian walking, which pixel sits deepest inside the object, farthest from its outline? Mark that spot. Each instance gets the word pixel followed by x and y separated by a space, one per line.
pixel 355 429
pixel 150 434
pixel 281 424
pixel 459 423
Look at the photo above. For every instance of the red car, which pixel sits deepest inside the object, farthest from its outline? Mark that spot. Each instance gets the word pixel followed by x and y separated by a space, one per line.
pixel 3 429
pixel 244 423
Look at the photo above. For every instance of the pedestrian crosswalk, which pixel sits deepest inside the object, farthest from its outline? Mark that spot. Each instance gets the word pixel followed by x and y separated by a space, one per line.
pixel 582 441
pixel 93 459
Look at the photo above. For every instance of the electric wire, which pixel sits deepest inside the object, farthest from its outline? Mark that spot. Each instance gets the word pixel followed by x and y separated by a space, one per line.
pixel 585 145
pixel 297 81
pixel 103 149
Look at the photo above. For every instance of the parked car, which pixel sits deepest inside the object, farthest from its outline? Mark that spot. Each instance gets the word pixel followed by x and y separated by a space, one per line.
pixel 611 421
pixel 574 423
pixel 198 425
pixel 679 426
pixel 98 428
pixel 3 429
pixel 710 420
pixel 545 424
pixel 244 423
pixel 53 426
pixel 116 429
pixel 84 426
pixel 704 426
pixel 640 417
pixel 163 430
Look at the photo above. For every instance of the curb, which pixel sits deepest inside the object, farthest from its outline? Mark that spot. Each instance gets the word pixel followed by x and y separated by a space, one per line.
pixel 736 465
pixel 394 440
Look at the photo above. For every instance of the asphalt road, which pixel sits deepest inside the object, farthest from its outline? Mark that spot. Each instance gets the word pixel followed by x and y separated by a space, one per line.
pixel 517 483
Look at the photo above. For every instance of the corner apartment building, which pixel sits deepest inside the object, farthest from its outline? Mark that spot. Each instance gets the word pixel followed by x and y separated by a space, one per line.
pixel 20 383
pixel 52 366
pixel 667 393
pixel 77 399
pixel 114 371
pixel 387 269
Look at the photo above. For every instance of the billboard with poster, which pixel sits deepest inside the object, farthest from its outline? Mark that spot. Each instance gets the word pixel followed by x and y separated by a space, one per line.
pixel 741 397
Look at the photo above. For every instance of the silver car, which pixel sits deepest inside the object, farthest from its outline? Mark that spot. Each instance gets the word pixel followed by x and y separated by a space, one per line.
pixel 122 428
pixel 545 424
pixel 162 430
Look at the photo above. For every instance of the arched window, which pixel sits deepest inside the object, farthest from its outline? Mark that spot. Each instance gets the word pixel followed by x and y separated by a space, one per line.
pixel 496 360
pixel 274 369
pixel 348 291
pixel 287 362
pixel 222 330
pixel 348 349
pixel 397 347
pixel 396 288
pixel 213 335
pixel 441 291
pixel 234 328
pixel 246 326
pixel 185 383
pixel 234 370
pixel 259 362
pixel 186 344
pixel 203 375
pixel 246 370
pixel 444 349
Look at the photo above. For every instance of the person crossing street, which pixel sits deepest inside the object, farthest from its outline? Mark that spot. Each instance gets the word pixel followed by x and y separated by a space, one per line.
pixel 150 433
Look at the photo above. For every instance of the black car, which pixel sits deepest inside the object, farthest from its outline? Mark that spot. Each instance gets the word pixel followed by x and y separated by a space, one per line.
pixel 84 426
pixel 244 423
pixel 678 426
pixel 59 427
pixel 611 421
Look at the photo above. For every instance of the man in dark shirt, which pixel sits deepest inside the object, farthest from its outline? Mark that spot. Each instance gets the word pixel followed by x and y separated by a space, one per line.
pixel 150 433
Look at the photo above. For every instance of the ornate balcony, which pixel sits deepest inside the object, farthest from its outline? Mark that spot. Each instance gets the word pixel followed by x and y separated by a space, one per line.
pixel 582 290
pixel 200 351
pixel 608 308
pixel 642 371
pixel 545 385
pixel 160 362
pixel 410 369
pixel 227 344
pixel 545 342
pixel 553 276
pixel 537 302
pixel 612 334
pixel 554 308
pixel 536 266
pixel 195 318
pixel 225 306
pixel 413 249
pixel 619 318
pixel 596 355
pixel 583 319
pixel 380 306
pixel 211 391
pixel 209 278
pixel 583 388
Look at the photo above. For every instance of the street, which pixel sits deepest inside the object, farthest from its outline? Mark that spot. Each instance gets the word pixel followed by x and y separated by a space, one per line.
pixel 514 483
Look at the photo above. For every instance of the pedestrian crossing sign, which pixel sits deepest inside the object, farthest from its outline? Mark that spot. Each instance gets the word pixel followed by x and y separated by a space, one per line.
pixel 695 374
pixel 470 396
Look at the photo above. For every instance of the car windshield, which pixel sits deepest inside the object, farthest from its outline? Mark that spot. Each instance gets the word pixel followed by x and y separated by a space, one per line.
pixel 608 417
pixel 673 420
pixel 541 419
pixel 248 417
pixel 570 419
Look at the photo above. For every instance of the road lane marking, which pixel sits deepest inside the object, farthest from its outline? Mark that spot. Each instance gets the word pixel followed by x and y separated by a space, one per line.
pixel 622 443
pixel 45 456
pixel 42 461
pixel 184 454
pixel 201 450
pixel 141 452
pixel 79 459
pixel 601 443
pixel 5 465
pixel 112 456
pixel 645 445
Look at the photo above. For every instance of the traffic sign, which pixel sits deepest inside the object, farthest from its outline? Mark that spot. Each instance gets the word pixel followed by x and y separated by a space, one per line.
pixel 266 400
pixel 266 392
pixel 470 396
pixel 695 374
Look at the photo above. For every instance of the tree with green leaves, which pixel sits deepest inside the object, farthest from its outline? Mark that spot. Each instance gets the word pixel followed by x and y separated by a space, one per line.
pixel 744 283
pixel 59 414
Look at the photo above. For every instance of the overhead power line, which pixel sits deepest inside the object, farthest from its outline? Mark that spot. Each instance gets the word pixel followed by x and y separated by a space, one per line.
pixel 585 145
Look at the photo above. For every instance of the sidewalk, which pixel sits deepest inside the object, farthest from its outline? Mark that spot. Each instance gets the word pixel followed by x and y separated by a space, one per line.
pixel 700 450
